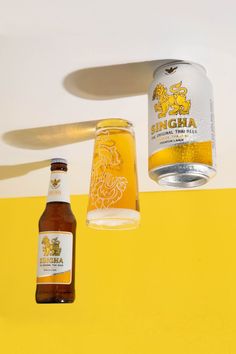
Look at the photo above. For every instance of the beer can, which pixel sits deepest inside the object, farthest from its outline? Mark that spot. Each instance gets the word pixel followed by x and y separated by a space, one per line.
pixel 181 126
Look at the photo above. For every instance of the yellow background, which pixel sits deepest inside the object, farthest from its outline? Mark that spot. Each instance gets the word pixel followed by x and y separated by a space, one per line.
pixel 168 287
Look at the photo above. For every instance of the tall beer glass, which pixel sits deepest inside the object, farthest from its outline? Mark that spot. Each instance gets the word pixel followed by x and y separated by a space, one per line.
pixel 113 197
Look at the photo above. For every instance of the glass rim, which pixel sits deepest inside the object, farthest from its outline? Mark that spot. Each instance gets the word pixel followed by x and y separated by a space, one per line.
pixel 114 123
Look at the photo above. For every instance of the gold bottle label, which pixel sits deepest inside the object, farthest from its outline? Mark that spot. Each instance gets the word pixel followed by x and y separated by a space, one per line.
pixel 54 257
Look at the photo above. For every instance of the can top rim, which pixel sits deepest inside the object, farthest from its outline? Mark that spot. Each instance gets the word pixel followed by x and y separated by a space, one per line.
pixel 199 66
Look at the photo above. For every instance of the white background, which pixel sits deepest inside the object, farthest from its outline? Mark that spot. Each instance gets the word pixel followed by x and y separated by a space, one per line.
pixel 41 42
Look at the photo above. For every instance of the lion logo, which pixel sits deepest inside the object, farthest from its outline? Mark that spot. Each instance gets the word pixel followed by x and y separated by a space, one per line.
pixel 51 248
pixel 108 191
pixel 174 103
pixel 106 188
pixel 55 183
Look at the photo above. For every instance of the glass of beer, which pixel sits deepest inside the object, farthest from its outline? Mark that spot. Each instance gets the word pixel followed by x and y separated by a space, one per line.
pixel 113 198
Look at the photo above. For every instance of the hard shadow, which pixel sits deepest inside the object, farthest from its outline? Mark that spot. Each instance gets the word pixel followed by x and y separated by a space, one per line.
pixel 11 171
pixel 51 136
pixel 114 81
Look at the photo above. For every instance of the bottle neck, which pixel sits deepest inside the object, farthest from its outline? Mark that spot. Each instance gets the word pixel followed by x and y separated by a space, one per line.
pixel 58 190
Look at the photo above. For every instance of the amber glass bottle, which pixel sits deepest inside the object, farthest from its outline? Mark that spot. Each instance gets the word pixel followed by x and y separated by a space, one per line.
pixel 56 247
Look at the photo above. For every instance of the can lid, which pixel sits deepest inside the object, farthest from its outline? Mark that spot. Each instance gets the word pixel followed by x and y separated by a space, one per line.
pixel 179 62
pixel 58 160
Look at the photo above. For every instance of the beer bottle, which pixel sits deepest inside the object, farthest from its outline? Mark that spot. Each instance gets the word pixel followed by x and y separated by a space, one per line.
pixel 56 247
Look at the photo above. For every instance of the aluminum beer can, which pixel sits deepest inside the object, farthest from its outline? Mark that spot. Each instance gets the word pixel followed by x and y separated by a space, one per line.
pixel 181 126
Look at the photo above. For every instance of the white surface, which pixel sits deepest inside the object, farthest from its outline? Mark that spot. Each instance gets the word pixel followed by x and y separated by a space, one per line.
pixel 42 42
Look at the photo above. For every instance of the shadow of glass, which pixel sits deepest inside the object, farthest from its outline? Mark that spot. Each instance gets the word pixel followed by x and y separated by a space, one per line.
pixel 11 171
pixel 51 136
pixel 114 81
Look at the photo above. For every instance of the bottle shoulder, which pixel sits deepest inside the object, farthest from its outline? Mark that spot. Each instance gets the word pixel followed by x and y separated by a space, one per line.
pixel 57 213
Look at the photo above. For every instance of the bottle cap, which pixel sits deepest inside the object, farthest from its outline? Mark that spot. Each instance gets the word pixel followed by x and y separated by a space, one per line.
pixel 58 160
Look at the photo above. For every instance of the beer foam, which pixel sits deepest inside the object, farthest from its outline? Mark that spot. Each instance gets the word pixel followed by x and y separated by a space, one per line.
pixel 113 218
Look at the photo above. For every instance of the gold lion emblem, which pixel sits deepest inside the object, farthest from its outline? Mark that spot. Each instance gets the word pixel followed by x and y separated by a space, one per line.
pixel 51 248
pixel 106 187
pixel 175 102
pixel 55 183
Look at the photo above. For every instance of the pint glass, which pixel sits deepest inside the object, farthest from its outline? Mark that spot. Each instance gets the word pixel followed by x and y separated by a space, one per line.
pixel 113 197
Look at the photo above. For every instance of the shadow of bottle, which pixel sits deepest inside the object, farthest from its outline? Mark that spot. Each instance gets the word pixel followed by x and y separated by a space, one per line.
pixel 11 171
pixel 114 81
pixel 44 138
pixel 51 136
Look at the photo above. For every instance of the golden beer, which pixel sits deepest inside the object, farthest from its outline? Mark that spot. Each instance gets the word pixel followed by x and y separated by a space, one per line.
pixel 56 241
pixel 181 126
pixel 113 197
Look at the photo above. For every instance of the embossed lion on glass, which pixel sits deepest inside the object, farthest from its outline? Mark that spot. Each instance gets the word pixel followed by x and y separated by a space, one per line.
pixel 113 199
pixel 106 189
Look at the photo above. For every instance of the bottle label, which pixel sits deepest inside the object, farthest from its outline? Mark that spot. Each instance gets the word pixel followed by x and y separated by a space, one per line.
pixel 55 257
pixel 58 188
